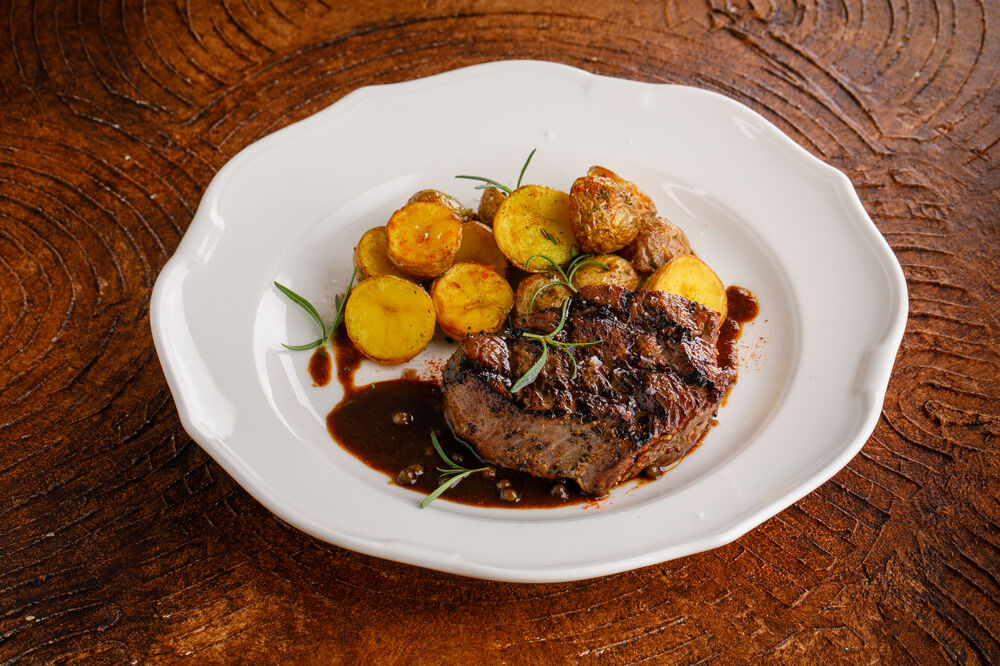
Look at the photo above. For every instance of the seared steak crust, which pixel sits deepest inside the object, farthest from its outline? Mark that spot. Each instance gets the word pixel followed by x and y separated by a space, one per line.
pixel 644 396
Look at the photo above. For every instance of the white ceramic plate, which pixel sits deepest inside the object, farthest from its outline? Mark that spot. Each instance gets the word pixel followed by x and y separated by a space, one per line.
pixel 757 207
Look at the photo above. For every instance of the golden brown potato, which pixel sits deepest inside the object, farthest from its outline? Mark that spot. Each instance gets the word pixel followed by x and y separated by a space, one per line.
pixel 446 200
pixel 471 298
pixel 690 277
pixel 534 220
pixel 549 297
pixel 659 241
pixel 489 203
pixel 389 319
pixel 618 272
pixel 370 255
pixel 479 246
pixel 423 238
pixel 603 215
pixel 640 198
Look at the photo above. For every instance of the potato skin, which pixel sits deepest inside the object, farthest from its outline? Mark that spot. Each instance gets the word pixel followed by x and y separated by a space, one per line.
pixel 446 200
pixel 423 238
pixel 471 298
pixel 619 272
pixel 659 242
pixel 370 256
pixel 390 320
pixel 692 278
pixel 603 215
pixel 640 198
pixel 478 245
pixel 550 297
pixel 489 203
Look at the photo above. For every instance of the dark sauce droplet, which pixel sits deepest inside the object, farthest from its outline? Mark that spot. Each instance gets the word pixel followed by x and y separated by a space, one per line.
pixel 320 366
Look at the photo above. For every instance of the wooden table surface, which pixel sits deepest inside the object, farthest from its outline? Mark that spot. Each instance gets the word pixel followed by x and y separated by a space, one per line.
pixel 121 541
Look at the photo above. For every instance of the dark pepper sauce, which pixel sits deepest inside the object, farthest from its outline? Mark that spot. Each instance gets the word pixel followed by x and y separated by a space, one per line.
pixel 387 426
pixel 319 367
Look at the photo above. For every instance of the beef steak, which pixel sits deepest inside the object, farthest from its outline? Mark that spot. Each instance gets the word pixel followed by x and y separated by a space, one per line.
pixel 644 396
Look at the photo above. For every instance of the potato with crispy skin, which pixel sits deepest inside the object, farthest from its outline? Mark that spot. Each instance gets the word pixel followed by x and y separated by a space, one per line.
pixel 642 201
pixel 423 238
pixel 659 241
pixel 618 272
pixel 478 245
pixel 489 204
pixel 690 277
pixel 446 200
pixel 370 256
pixel 471 298
pixel 534 220
pixel 603 215
pixel 551 296
pixel 390 320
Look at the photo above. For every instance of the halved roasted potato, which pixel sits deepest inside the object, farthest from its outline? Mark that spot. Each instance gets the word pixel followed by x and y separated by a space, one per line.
pixel 618 272
pixel 550 295
pixel 390 320
pixel 639 198
pixel 489 204
pixel 478 245
pixel 690 277
pixel 471 298
pixel 534 220
pixel 370 256
pixel 659 241
pixel 446 200
pixel 423 238
pixel 602 214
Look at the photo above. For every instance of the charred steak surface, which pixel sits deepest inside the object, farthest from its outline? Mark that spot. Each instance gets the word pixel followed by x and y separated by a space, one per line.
pixel 644 396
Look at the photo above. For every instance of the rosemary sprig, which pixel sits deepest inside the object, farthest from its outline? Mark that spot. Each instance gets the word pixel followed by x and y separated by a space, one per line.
pixel 549 339
pixel 339 300
pixel 489 182
pixel 452 474
pixel 567 275
pixel 549 237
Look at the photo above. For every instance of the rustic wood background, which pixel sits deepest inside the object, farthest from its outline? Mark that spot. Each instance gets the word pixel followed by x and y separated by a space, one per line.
pixel 121 541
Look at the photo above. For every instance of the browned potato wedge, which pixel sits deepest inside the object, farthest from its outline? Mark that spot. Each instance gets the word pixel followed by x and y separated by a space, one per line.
pixel 423 238
pixel 489 203
pixel 659 241
pixel 690 277
pixel 370 255
pixel 446 200
pixel 471 298
pixel 603 215
pixel 619 272
pixel 389 319
pixel 640 198
pixel 479 246
pixel 534 220
pixel 549 297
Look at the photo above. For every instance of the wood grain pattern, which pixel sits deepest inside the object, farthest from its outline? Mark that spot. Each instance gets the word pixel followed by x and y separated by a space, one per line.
pixel 122 542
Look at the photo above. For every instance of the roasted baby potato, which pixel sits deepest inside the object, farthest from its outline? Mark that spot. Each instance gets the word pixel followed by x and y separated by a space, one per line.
pixel 618 272
pixel 471 298
pixel 534 220
pixel 603 215
pixel 479 246
pixel 489 203
pixel 639 198
pixel 551 296
pixel 690 277
pixel 446 200
pixel 389 319
pixel 423 238
pixel 370 255
pixel 659 241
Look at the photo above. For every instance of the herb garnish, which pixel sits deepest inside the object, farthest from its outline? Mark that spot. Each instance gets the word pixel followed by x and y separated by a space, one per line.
pixel 567 275
pixel 339 300
pixel 489 182
pixel 549 237
pixel 453 473
pixel 546 340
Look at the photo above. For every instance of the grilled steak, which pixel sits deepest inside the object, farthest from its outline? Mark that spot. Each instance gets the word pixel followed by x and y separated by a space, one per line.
pixel 644 396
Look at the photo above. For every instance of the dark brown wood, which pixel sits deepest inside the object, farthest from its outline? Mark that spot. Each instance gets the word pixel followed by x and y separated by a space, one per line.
pixel 121 541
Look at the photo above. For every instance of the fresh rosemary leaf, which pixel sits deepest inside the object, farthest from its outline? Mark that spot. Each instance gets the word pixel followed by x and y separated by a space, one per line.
pixel 311 345
pixel 489 182
pixel 443 487
pixel 549 237
pixel 308 307
pixel 525 168
pixel 533 371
